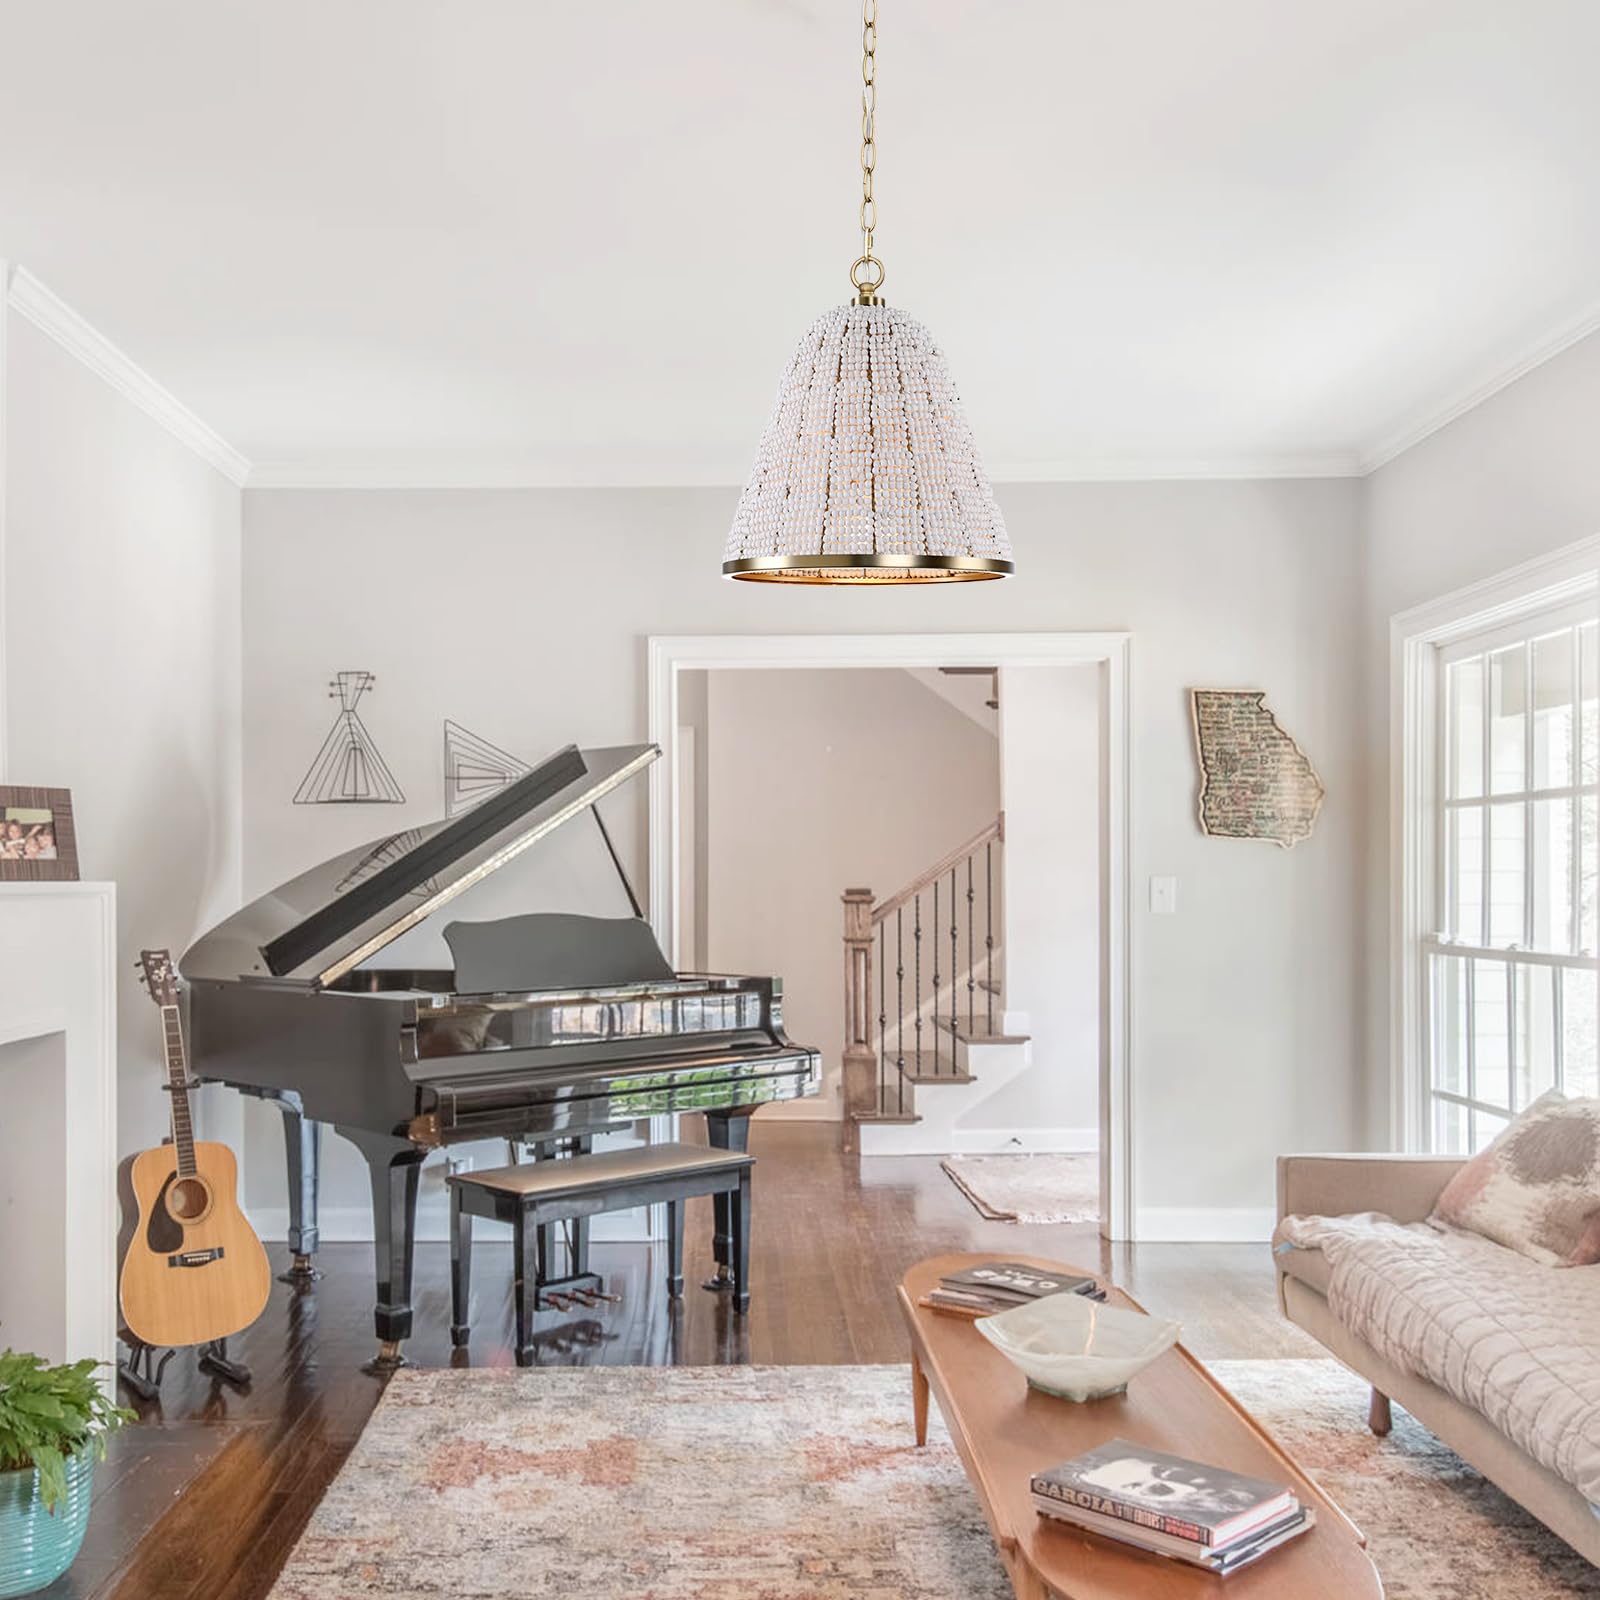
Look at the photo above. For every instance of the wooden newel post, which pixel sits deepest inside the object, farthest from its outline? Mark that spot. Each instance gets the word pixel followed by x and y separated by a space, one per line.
pixel 860 1083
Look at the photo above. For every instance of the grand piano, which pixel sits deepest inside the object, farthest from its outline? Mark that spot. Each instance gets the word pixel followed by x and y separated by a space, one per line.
pixel 549 1028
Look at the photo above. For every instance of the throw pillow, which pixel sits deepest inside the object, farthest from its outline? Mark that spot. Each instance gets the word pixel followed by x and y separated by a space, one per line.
pixel 1536 1189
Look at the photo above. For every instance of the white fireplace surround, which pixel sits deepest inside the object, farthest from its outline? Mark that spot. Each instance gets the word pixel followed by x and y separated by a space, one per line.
pixel 58 1065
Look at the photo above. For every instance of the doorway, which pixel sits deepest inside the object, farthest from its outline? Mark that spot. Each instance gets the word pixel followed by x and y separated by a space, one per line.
pixel 682 668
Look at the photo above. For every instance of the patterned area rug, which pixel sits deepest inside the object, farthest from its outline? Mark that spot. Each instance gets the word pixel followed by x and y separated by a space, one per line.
pixel 802 1483
pixel 647 1483
pixel 1435 1528
pixel 1033 1188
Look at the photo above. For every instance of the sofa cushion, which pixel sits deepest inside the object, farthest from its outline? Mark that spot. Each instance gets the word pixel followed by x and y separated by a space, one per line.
pixel 1536 1189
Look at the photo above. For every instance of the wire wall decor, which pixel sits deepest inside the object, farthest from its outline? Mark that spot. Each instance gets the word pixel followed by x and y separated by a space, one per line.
pixel 349 769
pixel 474 768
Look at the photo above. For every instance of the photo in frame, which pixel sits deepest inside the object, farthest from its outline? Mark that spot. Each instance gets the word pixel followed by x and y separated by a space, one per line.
pixel 38 843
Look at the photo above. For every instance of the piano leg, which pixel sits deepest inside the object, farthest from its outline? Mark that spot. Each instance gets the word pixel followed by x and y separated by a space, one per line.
pixel 393 1165
pixel 460 1270
pixel 302 1150
pixel 727 1130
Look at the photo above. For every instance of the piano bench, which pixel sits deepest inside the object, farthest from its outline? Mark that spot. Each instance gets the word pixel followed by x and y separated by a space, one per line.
pixel 535 1194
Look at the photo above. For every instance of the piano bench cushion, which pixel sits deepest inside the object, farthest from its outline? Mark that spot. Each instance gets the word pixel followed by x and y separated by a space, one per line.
pixel 544 1180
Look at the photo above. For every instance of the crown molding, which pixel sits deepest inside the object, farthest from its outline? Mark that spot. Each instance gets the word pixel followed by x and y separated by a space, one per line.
pixel 1168 469
pixel 28 297
pixel 52 315
pixel 1428 422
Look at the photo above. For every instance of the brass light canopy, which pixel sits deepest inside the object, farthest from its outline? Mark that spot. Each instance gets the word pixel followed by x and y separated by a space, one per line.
pixel 867 473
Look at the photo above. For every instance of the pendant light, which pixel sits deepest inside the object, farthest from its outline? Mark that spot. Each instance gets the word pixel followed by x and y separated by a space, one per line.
pixel 867 471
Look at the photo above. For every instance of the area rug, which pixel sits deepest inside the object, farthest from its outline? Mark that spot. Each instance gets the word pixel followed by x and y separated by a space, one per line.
pixel 1031 1188
pixel 647 1483
pixel 802 1483
pixel 1436 1529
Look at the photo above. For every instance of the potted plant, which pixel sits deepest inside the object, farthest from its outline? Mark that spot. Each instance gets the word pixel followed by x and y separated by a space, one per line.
pixel 53 1426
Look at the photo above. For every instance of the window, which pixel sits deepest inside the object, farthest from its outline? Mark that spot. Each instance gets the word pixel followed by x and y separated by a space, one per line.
pixel 1510 971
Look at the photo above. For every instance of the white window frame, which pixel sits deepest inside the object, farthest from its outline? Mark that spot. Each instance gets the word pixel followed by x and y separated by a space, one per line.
pixel 1418 640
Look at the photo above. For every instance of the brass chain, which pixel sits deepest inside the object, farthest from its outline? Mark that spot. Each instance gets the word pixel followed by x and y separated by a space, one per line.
pixel 866 288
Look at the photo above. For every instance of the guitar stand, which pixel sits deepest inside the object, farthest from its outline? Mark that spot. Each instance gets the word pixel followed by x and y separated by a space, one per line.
pixel 143 1372
pixel 214 1358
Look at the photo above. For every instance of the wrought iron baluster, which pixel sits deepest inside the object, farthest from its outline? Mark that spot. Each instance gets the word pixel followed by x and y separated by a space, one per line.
pixel 955 965
pixel 916 984
pixel 900 1001
pixel 988 929
pixel 972 959
pixel 936 978
pixel 883 1019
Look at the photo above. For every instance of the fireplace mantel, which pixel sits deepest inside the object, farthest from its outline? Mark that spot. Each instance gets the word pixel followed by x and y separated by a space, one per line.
pixel 58 1088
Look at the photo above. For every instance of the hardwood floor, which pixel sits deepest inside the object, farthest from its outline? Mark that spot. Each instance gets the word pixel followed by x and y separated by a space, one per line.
pixel 206 1496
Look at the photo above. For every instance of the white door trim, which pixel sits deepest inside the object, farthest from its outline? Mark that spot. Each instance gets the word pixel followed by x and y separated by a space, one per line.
pixel 669 655
pixel 1415 637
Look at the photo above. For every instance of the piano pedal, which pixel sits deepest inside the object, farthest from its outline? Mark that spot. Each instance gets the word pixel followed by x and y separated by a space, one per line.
pixel 610 1299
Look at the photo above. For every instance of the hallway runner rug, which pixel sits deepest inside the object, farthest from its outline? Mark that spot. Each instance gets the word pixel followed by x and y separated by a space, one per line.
pixel 802 1483
pixel 1031 1188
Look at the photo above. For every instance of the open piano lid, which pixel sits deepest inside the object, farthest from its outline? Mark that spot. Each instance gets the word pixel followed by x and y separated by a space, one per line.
pixel 319 926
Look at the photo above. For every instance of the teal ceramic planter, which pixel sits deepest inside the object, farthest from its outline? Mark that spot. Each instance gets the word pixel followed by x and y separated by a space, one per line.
pixel 37 1546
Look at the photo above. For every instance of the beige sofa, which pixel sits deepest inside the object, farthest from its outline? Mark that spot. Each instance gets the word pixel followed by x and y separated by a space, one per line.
pixel 1405 1188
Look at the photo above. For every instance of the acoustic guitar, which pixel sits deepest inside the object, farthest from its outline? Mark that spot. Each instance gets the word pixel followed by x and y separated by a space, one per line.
pixel 194 1270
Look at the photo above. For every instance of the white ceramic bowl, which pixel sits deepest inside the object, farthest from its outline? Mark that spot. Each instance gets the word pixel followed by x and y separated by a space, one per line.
pixel 1078 1348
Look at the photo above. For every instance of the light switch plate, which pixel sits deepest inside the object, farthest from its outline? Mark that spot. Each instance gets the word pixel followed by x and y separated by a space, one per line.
pixel 1164 897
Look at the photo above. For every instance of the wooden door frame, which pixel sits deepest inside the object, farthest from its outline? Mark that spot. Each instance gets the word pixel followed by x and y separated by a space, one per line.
pixel 671 654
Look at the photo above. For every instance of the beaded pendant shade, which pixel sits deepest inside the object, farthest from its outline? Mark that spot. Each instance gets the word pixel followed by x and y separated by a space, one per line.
pixel 867 472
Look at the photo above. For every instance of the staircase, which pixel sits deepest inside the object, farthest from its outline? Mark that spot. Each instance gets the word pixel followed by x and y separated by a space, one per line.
pixel 925 1043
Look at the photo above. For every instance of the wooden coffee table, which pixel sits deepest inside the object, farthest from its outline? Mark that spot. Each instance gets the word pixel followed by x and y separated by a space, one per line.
pixel 1004 1432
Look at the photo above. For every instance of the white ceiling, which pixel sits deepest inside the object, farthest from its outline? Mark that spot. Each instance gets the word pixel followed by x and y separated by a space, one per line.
pixel 507 241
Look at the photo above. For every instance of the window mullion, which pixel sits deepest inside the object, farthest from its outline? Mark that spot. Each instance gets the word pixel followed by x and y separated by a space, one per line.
pixel 1513 1054
pixel 1558 1041
pixel 1486 807
pixel 1472 1027
pixel 1575 804
pixel 1527 805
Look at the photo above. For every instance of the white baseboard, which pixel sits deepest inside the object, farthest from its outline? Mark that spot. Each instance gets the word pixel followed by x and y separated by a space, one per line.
pixel 1025 1141
pixel 1204 1224
pixel 353 1225
pixel 921 1139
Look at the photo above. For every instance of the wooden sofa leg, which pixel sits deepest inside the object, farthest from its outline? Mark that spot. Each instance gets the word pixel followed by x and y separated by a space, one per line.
pixel 1379 1417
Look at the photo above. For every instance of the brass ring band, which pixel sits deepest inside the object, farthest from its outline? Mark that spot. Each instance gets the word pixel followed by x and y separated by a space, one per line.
pixel 866 569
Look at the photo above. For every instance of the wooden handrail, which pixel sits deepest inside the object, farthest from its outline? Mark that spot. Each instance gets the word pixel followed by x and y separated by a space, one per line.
pixel 995 830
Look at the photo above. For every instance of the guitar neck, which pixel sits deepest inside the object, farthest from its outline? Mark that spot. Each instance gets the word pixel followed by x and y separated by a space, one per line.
pixel 178 1081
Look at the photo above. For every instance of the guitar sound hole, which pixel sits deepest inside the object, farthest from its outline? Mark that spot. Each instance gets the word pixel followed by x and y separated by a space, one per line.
pixel 188 1199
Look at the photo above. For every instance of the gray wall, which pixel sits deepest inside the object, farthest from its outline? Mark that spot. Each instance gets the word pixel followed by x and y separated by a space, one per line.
pixel 121 668
pixel 525 614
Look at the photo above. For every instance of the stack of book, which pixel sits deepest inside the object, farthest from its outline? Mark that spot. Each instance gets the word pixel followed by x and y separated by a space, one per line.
pixel 1171 1506
pixel 998 1285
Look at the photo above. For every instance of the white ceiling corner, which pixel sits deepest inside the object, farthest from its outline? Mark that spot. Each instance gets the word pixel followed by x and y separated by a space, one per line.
pixel 29 298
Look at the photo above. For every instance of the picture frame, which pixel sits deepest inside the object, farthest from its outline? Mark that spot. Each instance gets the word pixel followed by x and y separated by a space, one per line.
pixel 38 843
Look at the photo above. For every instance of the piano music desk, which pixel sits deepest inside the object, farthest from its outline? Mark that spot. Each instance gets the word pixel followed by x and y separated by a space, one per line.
pixel 535 1194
